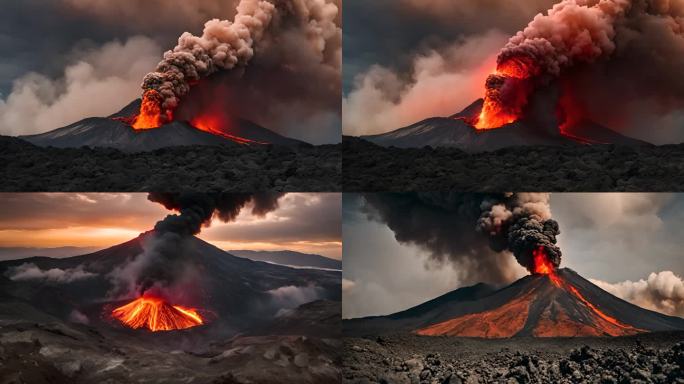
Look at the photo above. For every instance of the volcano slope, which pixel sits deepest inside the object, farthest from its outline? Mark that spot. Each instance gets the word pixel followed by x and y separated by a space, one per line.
pixel 62 330
pixel 533 153
pixel 468 334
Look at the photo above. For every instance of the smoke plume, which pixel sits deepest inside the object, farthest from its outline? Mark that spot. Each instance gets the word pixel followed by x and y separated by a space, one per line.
pixel 167 255
pixel 225 45
pixel 662 292
pixel 589 45
pixel 472 230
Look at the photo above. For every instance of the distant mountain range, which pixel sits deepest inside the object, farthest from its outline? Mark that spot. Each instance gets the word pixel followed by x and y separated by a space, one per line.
pixel 291 258
pixel 13 253
pixel 287 258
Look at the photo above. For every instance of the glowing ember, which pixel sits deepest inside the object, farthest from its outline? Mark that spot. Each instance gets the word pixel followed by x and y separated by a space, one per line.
pixel 150 116
pixel 155 314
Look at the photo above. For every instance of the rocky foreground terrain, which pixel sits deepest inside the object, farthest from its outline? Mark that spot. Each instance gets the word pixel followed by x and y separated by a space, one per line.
pixel 591 168
pixel 37 348
pixel 651 358
pixel 26 167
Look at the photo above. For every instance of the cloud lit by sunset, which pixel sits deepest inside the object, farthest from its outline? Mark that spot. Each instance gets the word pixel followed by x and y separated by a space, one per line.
pixel 308 223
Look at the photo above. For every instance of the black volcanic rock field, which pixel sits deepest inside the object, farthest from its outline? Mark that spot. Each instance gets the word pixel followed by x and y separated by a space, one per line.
pixel 406 358
pixel 588 168
pixel 26 167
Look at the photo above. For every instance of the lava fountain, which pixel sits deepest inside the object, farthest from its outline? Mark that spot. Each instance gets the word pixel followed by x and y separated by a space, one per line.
pixel 506 93
pixel 150 116
pixel 155 314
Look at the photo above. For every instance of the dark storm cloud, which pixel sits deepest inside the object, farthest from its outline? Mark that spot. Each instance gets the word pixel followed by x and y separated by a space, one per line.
pixel 391 32
pixel 33 30
pixel 310 217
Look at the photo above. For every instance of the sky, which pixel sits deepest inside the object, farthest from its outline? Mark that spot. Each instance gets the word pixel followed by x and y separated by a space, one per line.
pixel 307 223
pixel 616 239
pixel 65 60
pixel 408 60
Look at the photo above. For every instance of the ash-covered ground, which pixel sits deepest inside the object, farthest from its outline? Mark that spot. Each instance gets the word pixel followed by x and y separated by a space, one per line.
pixel 590 168
pixel 26 168
pixel 407 358
pixel 39 349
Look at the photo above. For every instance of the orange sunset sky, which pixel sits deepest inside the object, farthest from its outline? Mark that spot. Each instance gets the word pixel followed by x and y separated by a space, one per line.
pixel 308 223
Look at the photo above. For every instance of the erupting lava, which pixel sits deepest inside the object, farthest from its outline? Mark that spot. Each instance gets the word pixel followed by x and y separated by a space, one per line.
pixel 150 116
pixel 542 265
pixel 155 314
pixel 507 90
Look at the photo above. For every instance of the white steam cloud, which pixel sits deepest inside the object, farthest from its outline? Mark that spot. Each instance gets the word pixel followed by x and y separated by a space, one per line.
pixel 440 84
pixel 662 292
pixel 291 296
pixel 99 80
pixel 30 271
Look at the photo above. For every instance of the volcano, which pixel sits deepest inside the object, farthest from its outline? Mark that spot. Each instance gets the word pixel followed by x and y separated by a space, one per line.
pixel 458 131
pixel 115 131
pixel 562 304
pixel 239 320
pixel 229 295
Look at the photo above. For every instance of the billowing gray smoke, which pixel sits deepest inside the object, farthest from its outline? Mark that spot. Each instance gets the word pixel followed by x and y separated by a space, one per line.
pixel 617 38
pixel 165 260
pixel 225 45
pixel 472 231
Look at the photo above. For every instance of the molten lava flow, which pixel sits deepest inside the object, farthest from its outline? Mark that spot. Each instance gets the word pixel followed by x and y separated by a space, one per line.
pixel 597 311
pixel 150 112
pixel 507 90
pixel 155 314
pixel 543 266
pixel 216 125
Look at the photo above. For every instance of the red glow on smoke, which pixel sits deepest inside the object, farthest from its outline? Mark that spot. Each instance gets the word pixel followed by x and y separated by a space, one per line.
pixel 506 93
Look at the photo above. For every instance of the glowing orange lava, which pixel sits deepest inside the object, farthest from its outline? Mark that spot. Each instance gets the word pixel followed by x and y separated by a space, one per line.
pixel 597 311
pixel 216 125
pixel 155 314
pixel 494 114
pixel 150 116
pixel 543 266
